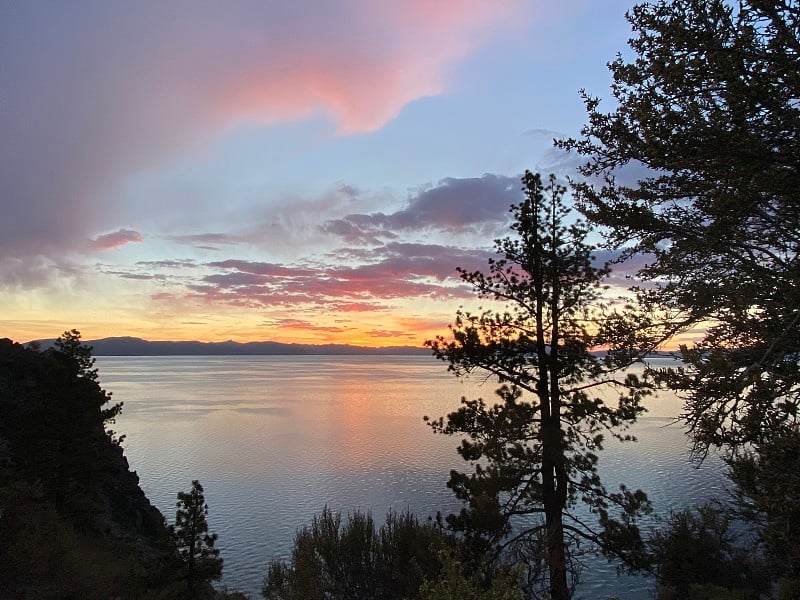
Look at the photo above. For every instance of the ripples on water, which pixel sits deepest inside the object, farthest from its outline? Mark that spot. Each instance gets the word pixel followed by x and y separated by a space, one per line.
pixel 273 439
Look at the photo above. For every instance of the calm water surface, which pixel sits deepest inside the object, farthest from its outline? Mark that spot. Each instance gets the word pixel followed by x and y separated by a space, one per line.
pixel 273 439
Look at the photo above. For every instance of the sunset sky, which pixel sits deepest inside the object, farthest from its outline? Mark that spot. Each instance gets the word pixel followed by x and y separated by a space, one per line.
pixel 307 170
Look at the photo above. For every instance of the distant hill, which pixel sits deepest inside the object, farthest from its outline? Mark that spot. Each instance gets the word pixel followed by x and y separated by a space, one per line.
pixel 132 346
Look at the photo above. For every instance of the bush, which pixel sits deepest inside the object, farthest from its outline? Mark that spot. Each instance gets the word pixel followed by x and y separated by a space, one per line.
pixel 354 561
pixel 696 556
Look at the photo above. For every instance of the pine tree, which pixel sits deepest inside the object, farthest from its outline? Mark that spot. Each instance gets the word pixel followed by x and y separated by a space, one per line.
pixel 535 452
pixel 707 115
pixel 194 543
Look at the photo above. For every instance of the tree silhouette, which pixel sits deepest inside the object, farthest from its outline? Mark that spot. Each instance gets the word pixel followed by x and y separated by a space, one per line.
pixel 194 543
pixel 79 357
pixel 696 554
pixel 535 452
pixel 768 493
pixel 74 522
pixel 707 113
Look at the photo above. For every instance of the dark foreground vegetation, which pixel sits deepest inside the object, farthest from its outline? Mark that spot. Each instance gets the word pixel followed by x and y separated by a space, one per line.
pixel 696 172
pixel 75 524
pixel 402 560
pixel 73 521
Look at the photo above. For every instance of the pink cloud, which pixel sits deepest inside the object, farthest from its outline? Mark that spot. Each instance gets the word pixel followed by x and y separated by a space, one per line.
pixel 105 90
pixel 357 307
pixel 365 63
pixel 464 14
pixel 395 333
pixel 396 271
pixel 302 325
pixel 116 239
pixel 163 297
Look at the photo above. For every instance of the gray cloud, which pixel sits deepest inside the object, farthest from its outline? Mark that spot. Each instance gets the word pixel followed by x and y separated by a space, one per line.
pixel 36 271
pixel 453 205
pixel 141 276
pixel 178 263
pixel 261 268
pixel 206 238
pixel 547 133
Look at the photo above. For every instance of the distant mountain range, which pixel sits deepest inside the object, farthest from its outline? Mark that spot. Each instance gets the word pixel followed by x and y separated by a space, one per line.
pixel 132 346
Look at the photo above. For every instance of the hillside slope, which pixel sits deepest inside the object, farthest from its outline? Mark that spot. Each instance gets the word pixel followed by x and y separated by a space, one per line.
pixel 73 519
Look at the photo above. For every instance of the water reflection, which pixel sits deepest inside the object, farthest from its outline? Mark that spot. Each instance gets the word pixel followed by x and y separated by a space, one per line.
pixel 274 439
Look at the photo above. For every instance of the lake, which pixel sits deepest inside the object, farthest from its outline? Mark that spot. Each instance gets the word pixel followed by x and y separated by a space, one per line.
pixel 274 439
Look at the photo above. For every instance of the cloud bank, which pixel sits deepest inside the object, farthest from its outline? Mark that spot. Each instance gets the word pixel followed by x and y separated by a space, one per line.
pixel 474 205
pixel 96 91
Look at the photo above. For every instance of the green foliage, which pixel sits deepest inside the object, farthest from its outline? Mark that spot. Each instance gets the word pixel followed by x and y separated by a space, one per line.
pixel 195 545
pixel 707 112
pixel 767 482
pixel 696 556
pixel 535 451
pixel 789 588
pixel 42 551
pixel 354 561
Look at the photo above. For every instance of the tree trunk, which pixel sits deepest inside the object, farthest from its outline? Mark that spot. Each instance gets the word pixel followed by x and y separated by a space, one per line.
pixel 559 588
pixel 190 562
pixel 555 552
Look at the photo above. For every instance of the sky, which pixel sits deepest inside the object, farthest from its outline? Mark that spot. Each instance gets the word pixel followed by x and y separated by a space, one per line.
pixel 309 171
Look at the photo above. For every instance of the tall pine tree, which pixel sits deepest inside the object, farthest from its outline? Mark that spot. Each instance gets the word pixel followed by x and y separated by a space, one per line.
pixel 535 451
pixel 707 113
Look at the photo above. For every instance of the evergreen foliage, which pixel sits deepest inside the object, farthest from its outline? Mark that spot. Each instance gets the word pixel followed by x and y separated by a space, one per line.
pixel 697 555
pixel 79 356
pixel 73 521
pixel 767 482
pixel 452 584
pixel 54 415
pixel 195 545
pixel 707 114
pixel 535 451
